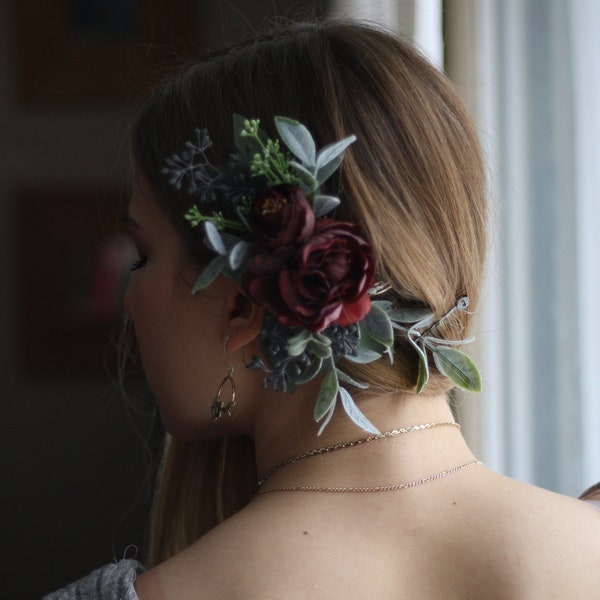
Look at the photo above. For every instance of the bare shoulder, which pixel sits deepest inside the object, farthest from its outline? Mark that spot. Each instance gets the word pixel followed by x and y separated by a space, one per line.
pixel 533 540
pixel 492 538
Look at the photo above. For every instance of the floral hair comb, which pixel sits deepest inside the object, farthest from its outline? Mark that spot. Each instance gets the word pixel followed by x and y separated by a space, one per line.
pixel 274 234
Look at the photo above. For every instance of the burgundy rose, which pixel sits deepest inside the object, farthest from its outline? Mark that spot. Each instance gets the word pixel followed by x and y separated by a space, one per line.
pixel 282 217
pixel 324 282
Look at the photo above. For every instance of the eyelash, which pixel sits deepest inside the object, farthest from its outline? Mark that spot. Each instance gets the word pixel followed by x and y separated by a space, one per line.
pixel 139 263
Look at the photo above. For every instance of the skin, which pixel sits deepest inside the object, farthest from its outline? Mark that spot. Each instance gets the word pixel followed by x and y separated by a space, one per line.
pixel 474 534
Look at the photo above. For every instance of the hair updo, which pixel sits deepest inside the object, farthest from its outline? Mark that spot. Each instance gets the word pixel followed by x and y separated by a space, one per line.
pixel 413 180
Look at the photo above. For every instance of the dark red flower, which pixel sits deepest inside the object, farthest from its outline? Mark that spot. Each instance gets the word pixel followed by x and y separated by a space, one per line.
pixel 324 282
pixel 281 217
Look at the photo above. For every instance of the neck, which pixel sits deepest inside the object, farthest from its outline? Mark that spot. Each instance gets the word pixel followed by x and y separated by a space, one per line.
pixel 282 433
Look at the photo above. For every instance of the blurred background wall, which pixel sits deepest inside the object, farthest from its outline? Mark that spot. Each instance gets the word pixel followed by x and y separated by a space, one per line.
pixel 76 459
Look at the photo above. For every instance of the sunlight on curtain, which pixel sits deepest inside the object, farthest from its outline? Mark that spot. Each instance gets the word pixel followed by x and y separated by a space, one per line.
pixel 536 93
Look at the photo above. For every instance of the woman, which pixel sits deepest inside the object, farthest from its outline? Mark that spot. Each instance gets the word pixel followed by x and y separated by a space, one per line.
pixel 349 316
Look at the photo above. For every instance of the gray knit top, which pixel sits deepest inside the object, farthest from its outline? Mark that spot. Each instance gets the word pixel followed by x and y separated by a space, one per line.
pixel 111 582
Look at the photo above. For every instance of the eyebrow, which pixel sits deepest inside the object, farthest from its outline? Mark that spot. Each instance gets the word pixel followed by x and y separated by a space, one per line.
pixel 128 220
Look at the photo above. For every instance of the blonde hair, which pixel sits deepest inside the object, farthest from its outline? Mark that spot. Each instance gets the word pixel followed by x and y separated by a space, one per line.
pixel 414 181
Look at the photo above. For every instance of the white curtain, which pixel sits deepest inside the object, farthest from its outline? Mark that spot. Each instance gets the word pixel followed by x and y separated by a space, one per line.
pixel 418 20
pixel 538 99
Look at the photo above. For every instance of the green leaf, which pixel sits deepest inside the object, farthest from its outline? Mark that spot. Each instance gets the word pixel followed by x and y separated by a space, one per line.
pixel 319 348
pixel 429 339
pixel 347 379
pixel 213 238
pixel 298 139
pixel 458 367
pixel 364 356
pixel 304 175
pixel 323 204
pixel 237 255
pixel 297 343
pixel 423 372
pixel 310 372
pixel 333 151
pixel 378 326
pixel 210 273
pixel 326 171
pixel 327 419
pixel 409 315
pixel 355 413
pixel 327 394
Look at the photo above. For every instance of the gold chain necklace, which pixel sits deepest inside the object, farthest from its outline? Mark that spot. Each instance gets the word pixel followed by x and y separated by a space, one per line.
pixel 359 442
pixel 377 488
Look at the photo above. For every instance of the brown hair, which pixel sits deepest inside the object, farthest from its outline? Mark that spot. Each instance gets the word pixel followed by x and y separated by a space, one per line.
pixel 414 181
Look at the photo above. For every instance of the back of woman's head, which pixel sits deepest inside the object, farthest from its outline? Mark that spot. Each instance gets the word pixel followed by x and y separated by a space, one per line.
pixel 414 180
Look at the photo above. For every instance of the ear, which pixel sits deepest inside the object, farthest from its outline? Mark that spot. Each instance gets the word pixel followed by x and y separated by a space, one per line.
pixel 245 322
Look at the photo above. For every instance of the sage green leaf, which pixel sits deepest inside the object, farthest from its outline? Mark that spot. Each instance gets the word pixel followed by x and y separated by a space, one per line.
pixel 319 348
pixel 355 413
pixel 327 419
pixel 327 170
pixel 210 273
pixel 238 254
pixel 423 371
pixel 333 151
pixel 458 367
pixel 378 326
pixel 213 238
pixel 409 315
pixel 347 379
pixel 298 139
pixel 297 343
pixel 305 176
pixel 363 356
pixel 324 204
pixel 429 339
pixel 310 372
pixel 327 394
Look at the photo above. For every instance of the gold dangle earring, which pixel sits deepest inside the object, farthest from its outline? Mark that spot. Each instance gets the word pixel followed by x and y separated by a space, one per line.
pixel 218 407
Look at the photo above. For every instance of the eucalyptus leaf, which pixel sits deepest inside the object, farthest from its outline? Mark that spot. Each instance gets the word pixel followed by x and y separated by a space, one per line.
pixel 210 273
pixel 422 375
pixel 310 372
pixel 326 171
pixel 305 175
pixel 319 348
pixel 298 139
pixel 333 151
pixel 323 204
pixel 458 367
pixel 422 324
pixel 327 394
pixel 347 379
pixel 364 356
pixel 213 239
pixel 378 326
pixel 327 419
pixel 430 341
pixel 409 315
pixel 423 371
pixel 297 343
pixel 354 412
pixel 238 254
pixel 385 305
